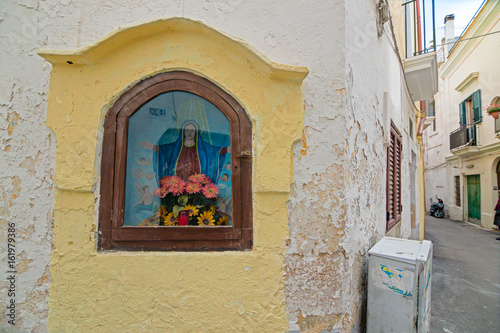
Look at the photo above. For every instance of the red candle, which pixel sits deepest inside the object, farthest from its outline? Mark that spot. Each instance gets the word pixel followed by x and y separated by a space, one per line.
pixel 184 217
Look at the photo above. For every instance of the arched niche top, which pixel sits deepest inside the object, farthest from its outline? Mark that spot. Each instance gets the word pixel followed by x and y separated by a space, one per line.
pixel 94 53
pixel 84 83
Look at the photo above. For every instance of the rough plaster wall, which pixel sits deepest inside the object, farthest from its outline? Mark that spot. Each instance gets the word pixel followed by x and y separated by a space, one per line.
pixel 373 74
pixel 27 163
pixel 337 206
pixel 346 194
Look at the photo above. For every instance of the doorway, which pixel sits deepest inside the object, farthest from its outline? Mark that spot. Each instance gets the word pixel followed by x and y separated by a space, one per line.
pixel 474 198
pixel 498 178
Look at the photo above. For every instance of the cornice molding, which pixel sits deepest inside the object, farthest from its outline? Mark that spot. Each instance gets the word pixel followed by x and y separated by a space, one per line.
pixel 472 76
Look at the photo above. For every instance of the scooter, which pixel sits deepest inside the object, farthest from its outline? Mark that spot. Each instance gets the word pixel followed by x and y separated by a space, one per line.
pixel 437 208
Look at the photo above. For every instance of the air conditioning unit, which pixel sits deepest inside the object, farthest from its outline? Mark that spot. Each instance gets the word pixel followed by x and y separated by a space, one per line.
pixel 399 286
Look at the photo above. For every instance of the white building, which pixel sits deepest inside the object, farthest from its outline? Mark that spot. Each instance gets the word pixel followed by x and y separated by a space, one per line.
pixel 462 147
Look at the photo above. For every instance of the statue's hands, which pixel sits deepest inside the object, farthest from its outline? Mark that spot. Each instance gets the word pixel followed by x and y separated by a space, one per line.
pixel 148 145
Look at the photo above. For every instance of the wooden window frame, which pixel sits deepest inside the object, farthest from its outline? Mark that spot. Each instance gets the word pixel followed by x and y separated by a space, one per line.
pixel 458 195
pixel 394 158
pixel 113 234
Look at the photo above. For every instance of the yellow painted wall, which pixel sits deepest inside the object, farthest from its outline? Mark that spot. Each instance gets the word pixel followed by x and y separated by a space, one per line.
pixel 151 291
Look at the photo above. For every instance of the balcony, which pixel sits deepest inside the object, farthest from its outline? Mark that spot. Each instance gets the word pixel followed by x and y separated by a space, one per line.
pixel 421 62
pixel 422 76
pixel 463 141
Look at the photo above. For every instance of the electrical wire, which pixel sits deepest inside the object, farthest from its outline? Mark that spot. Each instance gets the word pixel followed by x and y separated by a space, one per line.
pixel 473 37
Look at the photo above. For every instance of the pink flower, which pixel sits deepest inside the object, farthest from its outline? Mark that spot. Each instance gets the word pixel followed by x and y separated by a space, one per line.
pixel 178 187
pixel 157 192
pixel 210 191
pixel 197 178
pixel 164 190
pixel 193 188
pixel 163 180
pixel 169 180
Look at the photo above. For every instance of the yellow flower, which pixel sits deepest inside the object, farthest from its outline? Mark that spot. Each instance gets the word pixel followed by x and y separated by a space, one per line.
pixel 170 219
pixel 206 219
pixel 152 221
pixel 162 213
pixel 224 220
pixel 212 209
pixel 145 223
pixel 193 211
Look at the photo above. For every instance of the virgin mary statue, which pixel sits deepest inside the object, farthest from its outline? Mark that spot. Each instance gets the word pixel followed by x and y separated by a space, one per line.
pixel 190 154
pixel 187 149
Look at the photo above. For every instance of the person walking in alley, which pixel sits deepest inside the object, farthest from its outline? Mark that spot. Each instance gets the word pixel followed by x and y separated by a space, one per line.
pixel 497 216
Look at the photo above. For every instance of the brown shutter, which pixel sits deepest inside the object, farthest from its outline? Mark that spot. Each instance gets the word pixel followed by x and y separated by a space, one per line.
pixel 394 153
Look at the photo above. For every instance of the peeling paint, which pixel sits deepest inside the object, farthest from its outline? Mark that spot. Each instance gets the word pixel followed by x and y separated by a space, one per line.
pixel 305 136
pixel 12 119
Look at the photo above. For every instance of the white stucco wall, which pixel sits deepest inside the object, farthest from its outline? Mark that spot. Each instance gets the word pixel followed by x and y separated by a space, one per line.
pixel 370 95
pixel 27 164
pixel 354 90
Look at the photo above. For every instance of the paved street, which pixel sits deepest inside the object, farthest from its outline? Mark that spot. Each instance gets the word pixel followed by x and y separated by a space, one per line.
pixel 466 277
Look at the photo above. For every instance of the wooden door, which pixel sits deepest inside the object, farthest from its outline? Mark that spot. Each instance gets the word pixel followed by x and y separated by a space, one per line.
pixel 474 198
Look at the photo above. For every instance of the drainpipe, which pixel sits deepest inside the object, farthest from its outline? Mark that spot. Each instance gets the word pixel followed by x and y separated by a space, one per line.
pixel 419 30
pixel 421 177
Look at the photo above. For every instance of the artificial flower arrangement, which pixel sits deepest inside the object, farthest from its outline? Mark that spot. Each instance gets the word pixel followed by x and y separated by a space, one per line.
pixel 189 203
pixel 493 110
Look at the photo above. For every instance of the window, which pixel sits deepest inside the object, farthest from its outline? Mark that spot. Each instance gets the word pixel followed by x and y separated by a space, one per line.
pixel 496 101
pixel 470 109
pixel 432 113
pixel 394 152
pixel 457 191
pixel 176 168
pixel 497 125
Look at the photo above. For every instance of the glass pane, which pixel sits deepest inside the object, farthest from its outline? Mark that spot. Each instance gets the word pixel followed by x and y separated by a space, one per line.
pixel 178 163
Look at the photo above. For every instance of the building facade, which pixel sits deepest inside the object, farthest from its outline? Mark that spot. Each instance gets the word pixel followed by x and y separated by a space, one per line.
pixel 315 99
pixel 462 147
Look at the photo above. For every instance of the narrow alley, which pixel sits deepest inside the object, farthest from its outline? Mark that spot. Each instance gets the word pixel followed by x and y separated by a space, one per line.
pixel 466 277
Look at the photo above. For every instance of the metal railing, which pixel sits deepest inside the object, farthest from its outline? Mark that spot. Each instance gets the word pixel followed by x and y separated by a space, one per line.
pixel 417 27
pixel 465 135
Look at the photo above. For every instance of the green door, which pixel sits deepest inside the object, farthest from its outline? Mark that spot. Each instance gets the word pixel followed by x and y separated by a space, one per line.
pixel 474 198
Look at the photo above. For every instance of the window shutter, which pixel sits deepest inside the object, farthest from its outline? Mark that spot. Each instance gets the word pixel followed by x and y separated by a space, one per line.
pixel 390 180
pixel 476 105
pixel 394 154
pixel 397 173
pixel 463 112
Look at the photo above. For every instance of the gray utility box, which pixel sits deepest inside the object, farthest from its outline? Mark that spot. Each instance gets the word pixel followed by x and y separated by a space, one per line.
pixel 399 286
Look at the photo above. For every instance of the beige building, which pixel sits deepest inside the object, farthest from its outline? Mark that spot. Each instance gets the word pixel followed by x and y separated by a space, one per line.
pixel 462 147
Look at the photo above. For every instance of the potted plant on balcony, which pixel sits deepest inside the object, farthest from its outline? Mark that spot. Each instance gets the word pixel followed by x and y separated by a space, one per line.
pixel 493 110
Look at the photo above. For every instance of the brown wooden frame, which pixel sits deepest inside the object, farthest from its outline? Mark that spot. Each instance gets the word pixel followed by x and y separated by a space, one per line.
pixel 394 157
pixel 113 234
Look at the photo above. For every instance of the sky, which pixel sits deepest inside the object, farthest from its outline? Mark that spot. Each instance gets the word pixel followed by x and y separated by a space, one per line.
pixel 464 10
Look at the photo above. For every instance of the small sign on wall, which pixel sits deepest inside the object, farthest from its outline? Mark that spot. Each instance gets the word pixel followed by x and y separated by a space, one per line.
pixel 157 112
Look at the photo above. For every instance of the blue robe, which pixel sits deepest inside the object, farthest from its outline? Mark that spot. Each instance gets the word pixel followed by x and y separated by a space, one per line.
pixel 209 156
